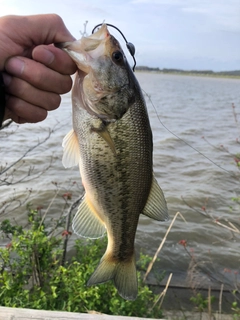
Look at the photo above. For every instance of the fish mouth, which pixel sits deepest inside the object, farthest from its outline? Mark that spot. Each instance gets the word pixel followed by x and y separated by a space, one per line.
pixel 103 79
pixel 86 50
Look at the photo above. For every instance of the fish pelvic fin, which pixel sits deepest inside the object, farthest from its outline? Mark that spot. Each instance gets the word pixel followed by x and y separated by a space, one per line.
pixel 123 274
pixel 71 152
pixel 156 206
pixel 86 223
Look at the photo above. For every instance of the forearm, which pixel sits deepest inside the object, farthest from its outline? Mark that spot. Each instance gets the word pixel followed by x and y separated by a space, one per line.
pixel 2 99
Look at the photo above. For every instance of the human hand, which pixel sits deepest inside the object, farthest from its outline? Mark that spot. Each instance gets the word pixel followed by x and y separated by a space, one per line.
pixel 35 72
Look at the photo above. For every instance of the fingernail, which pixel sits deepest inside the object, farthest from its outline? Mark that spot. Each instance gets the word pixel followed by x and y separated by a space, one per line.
pixel 15 66
pixel 7 79
pixel 47 57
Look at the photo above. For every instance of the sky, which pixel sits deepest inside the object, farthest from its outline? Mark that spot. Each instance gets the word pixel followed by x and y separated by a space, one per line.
pixel 182 34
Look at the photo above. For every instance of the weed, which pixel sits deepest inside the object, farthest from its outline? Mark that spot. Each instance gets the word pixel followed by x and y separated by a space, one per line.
pixel 32 274
pixel 201 303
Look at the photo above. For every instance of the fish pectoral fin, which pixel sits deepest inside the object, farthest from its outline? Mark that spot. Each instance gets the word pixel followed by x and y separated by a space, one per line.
pixel 156 206
pixel 123 274
pixel 86 224
pixel 102 131
pixel 71 152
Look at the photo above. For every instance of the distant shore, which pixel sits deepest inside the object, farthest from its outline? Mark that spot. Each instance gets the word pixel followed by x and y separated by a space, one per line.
pixel 235 74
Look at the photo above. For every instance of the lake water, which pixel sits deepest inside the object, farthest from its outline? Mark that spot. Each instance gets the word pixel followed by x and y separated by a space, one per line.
pixel 198 115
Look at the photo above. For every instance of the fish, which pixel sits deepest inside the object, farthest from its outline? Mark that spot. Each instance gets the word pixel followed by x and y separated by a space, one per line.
pixel 111 141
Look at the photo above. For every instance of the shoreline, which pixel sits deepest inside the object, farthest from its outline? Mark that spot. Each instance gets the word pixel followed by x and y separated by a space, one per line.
pixel 190 74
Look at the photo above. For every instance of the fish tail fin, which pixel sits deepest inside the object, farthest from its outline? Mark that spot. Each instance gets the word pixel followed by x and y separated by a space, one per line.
pixel 123 274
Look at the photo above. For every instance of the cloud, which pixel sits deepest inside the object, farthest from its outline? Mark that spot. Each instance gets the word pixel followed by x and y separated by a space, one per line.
pixel 219 14
pixel 165 32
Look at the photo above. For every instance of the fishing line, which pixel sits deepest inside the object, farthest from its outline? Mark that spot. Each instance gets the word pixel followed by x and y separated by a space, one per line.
pixel 131 49
pixel 181 139
pixel 130 46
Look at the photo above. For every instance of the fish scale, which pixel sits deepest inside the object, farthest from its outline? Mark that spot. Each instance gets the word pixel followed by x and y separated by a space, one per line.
pixel 111 141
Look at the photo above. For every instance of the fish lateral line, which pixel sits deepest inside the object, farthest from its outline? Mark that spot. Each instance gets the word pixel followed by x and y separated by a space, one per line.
pixel 118 189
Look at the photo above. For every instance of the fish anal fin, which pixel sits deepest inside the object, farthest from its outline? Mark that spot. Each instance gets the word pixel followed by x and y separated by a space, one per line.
pixel 102 131
pixel 86 223
pixel 123 274
pixel 156 206
pixel 71 152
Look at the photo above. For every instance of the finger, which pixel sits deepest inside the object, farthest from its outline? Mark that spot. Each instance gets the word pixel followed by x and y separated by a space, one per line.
pixel 54 58
pixel 38 29
pixel 21 111
pixel 38 75
pixel 54 29
pixel 24 91
pixel 10 115
pixel 23 33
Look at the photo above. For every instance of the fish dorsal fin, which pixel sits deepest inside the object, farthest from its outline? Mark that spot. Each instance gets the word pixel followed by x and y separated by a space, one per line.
pixel 156 206
pixel 85 222
pixel 71 153
pixel 105 135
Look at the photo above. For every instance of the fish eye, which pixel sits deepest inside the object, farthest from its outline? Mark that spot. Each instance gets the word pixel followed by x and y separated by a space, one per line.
pixel 117 57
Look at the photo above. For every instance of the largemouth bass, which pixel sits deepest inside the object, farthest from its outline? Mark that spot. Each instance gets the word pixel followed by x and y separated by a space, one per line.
pixel 111 140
